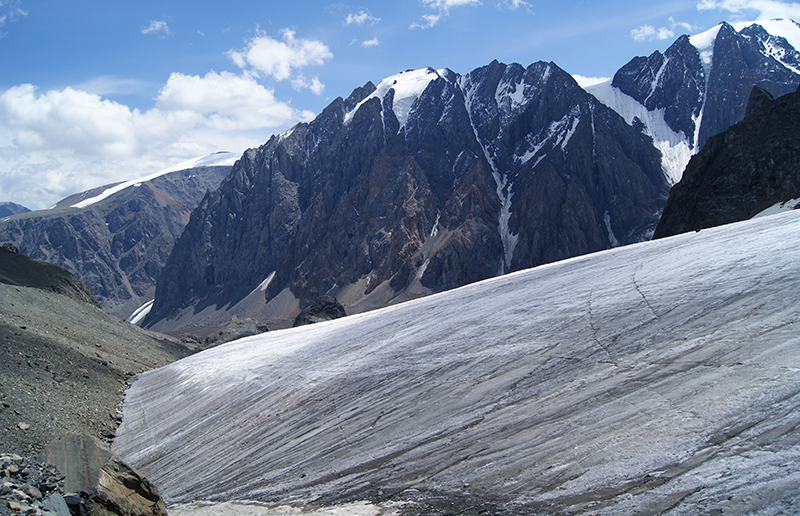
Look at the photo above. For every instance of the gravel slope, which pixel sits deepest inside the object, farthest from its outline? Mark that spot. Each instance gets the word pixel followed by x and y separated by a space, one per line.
pixel 64 363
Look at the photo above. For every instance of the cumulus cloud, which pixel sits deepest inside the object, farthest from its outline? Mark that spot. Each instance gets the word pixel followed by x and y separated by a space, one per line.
pixel 648 33
pixel 371 43
pixel 157 27
pixel 58 142
pixel 764 8
pixel 279 59
pixel 301 82
pixel 361 18
pixel 428 21
pixel 10 12
pixel 442 8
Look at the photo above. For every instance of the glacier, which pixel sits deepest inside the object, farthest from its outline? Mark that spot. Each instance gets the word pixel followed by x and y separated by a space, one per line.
pixel 660 377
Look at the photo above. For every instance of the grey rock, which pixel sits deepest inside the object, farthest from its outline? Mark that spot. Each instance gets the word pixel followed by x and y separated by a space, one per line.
pixel 324 308
pixel 55 503
pixel 235 329
pixel 114 488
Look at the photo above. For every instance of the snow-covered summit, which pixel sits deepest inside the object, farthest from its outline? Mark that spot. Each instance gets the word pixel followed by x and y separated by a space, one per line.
pixel 687 94
pixel 407 86
pixel 221 158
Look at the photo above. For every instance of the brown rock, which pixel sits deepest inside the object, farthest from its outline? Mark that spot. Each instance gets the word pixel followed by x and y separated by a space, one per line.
pixel 114 487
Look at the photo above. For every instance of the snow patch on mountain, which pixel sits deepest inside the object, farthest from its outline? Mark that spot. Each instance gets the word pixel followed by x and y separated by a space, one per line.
pixel 407 86
pixel 704 43
pixel 216 159
pixel 140 313
pixel 675 148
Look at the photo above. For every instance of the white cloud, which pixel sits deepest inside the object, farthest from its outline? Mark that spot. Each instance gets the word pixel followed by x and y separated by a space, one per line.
pixel 226 101
pixel 158 27
pixel 764 8
pixel 361 18
pixel 279 58
pixel 10 12
pixel 371 43
pixel 429 20
pixel 442 8
pixel 301 82
pixel 649 33
pixel 59 142
pixel 516 4
pixel 686 27
pixel 445 5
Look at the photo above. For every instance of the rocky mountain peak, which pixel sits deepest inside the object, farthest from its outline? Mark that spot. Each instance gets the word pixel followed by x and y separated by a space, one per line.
pixel 425 182
pixel 753 165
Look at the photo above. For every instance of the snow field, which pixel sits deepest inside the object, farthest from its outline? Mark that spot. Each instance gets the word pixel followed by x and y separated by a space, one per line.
pixel 618 381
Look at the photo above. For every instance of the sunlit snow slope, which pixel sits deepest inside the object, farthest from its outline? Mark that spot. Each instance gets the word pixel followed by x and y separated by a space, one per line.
pixel 659 375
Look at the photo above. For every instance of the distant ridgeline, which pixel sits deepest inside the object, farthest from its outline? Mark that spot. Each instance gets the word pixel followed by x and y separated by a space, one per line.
pixel 117 238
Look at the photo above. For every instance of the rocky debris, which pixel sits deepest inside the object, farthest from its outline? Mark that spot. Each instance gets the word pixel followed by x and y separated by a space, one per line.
pixel 30 487
pixel 118 245
pixel 324 308
pixel 64 362
pixel 107 485
pixel 753 165
pixel 236 329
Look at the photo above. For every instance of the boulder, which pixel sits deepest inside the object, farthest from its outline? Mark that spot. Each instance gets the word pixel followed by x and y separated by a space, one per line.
pixel 324 308
pixel 105 484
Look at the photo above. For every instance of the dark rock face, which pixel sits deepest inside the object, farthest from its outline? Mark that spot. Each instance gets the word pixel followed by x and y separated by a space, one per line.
pixel 116 246
pixel 9 208
pixel 382 198
pixel 702 96
pixel 741 172
pixel 324 308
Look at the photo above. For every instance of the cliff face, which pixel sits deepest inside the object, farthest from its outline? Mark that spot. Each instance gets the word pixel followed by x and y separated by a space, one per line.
pixel 741 172
pixel 426 182
pixel 117 245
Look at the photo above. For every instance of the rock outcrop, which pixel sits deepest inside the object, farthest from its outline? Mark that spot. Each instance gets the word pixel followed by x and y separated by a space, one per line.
pixel 753 165
pixel 106 485
pixel 324 308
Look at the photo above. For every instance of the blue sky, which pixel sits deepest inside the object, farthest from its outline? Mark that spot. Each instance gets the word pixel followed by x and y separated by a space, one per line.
pixel 98 91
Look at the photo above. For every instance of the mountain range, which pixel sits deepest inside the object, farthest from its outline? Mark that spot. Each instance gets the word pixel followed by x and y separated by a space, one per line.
pixel 116 238
pixel 432 180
